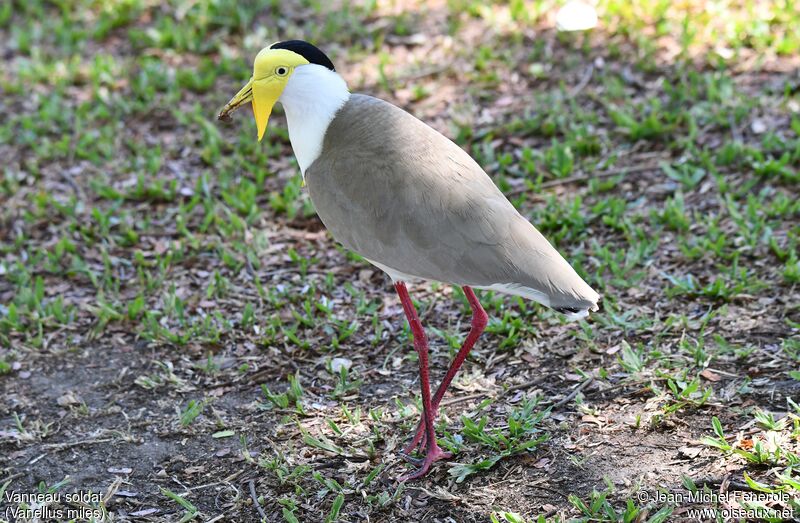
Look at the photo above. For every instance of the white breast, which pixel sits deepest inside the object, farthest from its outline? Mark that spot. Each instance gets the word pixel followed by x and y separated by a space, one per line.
pixel 311 99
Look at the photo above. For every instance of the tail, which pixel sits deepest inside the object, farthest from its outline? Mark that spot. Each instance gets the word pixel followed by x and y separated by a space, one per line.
pixel 535 270
pixel 574 313
pixel 577 300
pixel 573 305
pixel 542 274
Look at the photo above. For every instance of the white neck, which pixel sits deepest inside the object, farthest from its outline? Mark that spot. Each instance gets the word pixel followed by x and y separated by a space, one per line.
pixel 311 98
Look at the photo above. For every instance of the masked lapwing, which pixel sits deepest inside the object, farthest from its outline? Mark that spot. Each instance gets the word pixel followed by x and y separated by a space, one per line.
pixel 410 201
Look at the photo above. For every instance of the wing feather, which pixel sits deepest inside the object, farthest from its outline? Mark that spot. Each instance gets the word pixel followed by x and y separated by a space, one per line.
pixel 394 190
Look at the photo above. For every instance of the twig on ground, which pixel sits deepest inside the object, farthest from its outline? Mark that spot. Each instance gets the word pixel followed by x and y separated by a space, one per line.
pixel 729 485
pixel 9 478
pixel 584 81
pixel 626 384
pixel 459 399
pixel 252 485
pixel 513 388
pixel 502 394
pixel 70 444
pixel 571 395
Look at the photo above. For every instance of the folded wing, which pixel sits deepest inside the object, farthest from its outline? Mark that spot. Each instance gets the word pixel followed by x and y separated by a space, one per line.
pixel 405 197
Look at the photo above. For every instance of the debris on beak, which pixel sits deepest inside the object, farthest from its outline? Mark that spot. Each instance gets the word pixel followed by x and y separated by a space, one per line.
pixel 244 95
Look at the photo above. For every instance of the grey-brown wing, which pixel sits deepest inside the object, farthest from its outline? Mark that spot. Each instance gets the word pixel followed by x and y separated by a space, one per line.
pixel 400 194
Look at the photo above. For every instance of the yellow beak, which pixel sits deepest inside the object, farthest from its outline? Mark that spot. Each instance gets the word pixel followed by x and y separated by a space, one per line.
pixel 244 95
pixel 263 94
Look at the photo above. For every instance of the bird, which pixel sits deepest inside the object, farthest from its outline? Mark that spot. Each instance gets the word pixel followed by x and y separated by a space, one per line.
pixel 411 202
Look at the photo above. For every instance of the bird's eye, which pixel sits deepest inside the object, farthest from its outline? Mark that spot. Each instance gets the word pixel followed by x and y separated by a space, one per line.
pixel 281 70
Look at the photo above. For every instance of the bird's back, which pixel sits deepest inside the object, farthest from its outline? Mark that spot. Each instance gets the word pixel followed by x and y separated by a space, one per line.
pixel 405 197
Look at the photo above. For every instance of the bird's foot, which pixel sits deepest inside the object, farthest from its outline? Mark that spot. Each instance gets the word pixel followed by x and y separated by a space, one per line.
pixel 433 455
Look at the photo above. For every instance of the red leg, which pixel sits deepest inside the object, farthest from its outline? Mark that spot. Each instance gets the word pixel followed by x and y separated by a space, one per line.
pixel 434 453
pixel 479 321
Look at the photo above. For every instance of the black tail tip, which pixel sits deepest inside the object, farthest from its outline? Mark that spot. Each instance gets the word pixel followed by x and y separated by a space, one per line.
pixel 567 310
pixel 577 312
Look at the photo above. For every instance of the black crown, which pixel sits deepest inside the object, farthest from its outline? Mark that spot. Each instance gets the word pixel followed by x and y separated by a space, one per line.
pixel 307 51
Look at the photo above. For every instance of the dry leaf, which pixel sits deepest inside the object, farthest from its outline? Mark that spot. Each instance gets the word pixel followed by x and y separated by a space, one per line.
pixel 709 375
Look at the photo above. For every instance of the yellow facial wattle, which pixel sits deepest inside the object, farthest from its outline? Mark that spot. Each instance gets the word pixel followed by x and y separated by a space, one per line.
pixel 271 71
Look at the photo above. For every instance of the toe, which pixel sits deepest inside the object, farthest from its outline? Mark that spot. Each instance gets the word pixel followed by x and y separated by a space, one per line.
pixel 433 455
pixel 426 466
pixel 417 462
